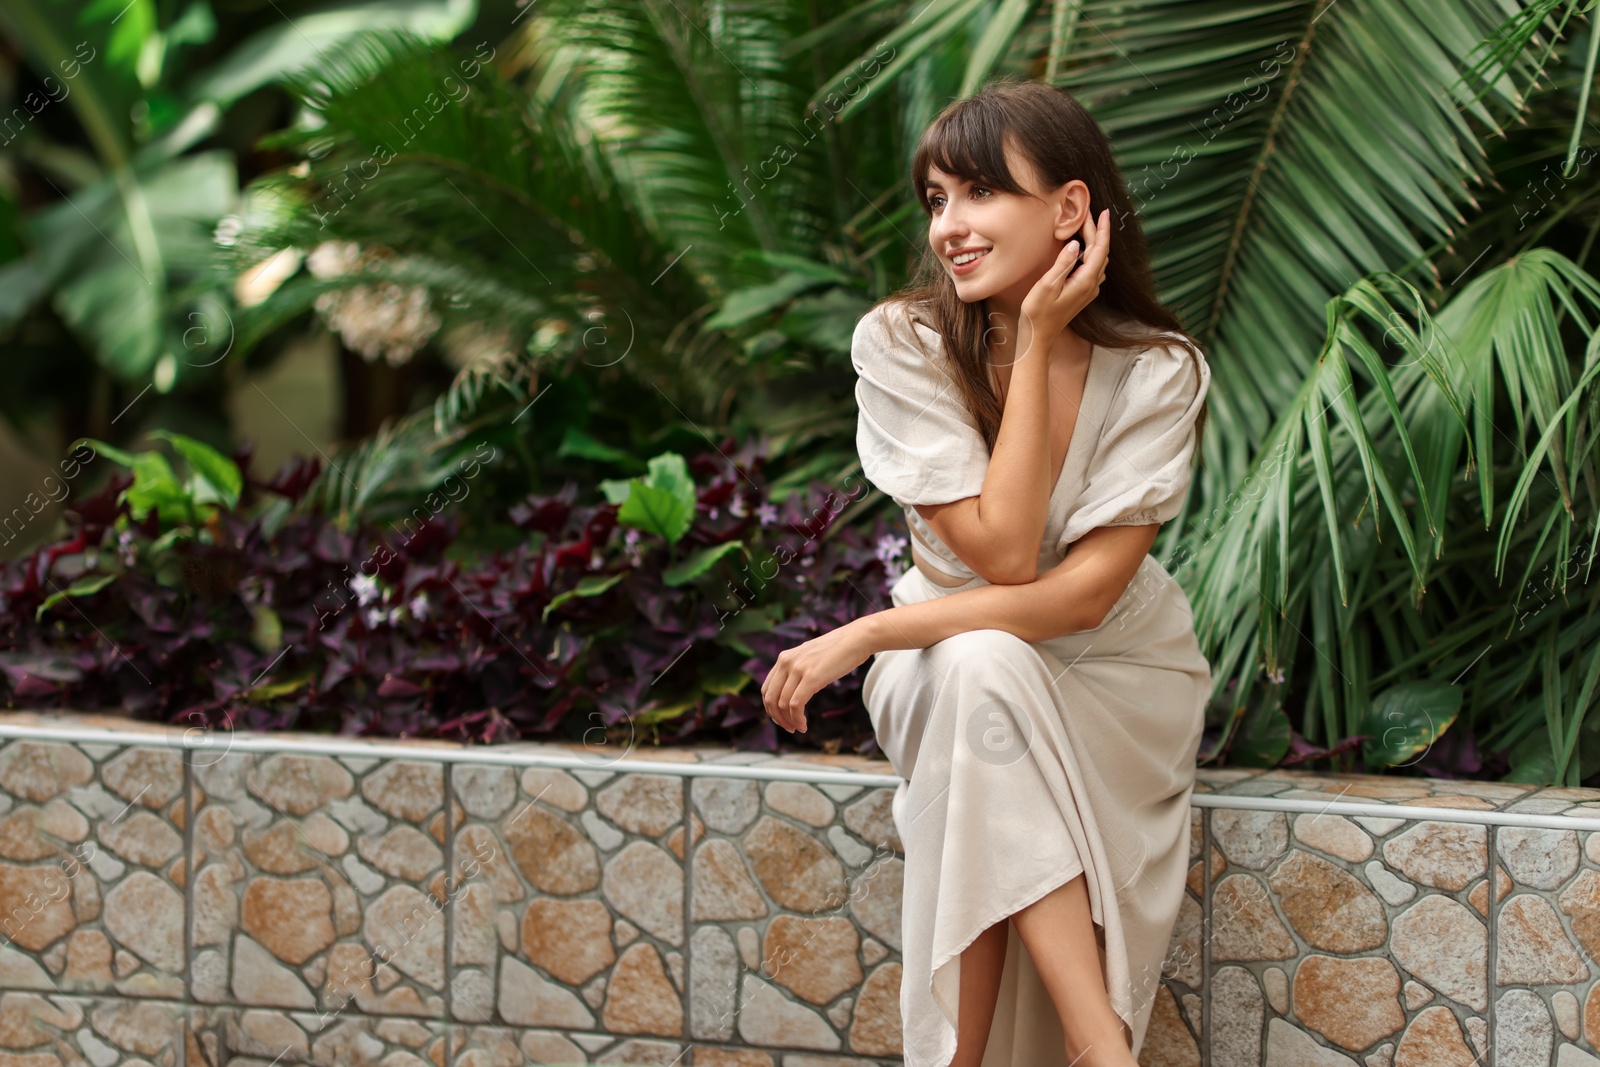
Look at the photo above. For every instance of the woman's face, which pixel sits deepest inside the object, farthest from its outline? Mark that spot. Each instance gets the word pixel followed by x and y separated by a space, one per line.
pixel 1018 237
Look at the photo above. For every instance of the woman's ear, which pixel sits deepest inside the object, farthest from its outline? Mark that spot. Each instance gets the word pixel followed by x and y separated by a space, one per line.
pixel 1072 208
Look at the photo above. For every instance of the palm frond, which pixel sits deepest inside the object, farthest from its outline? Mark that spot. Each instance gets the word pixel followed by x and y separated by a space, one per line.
pixel 1272 563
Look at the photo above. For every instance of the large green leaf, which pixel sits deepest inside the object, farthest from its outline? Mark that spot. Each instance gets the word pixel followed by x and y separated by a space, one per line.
pixel 214 478
pixel 1263 738
pixel 110 283
pixel 1405 720
pixel 662 502
pixel 297 42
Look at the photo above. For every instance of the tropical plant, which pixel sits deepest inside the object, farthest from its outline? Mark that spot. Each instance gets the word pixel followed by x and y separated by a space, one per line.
pixel 1331 190
pixel 517 188
pixel 120 153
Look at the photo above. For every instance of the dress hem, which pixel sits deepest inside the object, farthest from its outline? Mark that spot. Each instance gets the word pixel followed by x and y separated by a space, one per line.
pixel 1005 916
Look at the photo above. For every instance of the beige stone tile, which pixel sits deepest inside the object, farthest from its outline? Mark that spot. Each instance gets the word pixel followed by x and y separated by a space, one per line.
pixel 48 1029
pixel 92 869
pixel 1332 941
pixel 570 915
pixel 1547 912
pixel 795 918
pixel 320 884
pixel 257 1037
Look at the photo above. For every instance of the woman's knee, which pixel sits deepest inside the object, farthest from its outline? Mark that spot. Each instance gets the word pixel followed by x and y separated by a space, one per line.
pixel 983 647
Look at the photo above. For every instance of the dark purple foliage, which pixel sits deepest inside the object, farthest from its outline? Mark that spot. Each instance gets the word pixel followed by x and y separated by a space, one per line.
pixel 384 633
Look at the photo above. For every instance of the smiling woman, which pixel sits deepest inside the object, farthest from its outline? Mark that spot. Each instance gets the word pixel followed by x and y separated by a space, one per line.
pixel 1038 684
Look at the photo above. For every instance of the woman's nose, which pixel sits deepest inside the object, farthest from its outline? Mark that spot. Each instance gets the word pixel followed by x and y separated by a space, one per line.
pixel 947 226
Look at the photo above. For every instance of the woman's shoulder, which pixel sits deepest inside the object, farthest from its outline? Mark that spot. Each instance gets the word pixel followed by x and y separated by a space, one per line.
pixel 895 331
pixel 900 314
pixel 1165 362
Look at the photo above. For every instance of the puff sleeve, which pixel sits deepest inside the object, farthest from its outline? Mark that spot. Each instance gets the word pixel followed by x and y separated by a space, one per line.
pixel 1140 471
pixel 917 441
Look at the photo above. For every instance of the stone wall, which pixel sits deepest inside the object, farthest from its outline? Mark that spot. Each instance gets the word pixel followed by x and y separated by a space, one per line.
pixel 179 900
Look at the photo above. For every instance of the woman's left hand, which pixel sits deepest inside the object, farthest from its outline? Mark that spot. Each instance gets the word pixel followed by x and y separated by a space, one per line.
pixel 800 672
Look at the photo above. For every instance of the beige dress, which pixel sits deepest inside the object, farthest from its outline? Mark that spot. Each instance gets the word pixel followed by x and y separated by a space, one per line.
pixel 1026 764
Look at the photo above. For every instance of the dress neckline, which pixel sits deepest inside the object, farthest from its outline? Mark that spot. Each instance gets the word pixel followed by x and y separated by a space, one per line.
pixel 1089 383
pixel 1075 458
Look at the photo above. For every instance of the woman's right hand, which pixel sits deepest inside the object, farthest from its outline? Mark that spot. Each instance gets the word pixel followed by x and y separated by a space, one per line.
pixel 1062 292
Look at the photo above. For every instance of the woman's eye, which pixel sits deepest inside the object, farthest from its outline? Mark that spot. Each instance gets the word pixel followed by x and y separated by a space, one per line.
pixel 979 189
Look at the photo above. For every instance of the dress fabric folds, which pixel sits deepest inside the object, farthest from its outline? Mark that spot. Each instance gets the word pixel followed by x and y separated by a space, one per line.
pixel 1025 764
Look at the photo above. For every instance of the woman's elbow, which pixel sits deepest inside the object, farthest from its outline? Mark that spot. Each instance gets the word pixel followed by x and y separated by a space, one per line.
pixel 1012 572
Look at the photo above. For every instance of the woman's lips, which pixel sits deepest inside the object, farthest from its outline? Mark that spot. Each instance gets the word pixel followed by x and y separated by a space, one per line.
pixel 969 266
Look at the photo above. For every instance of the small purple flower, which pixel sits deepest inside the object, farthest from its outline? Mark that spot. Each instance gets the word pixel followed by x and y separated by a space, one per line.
pixel 713 514
pixel 419 605
pixel 889 548
pixel 374 616
pixel 736 509
pixel 631 538
pixel 767 513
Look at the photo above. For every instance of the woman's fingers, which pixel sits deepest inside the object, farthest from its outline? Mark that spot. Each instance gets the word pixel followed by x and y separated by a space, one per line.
pixel 1092 270
pixel 1066 259
pixel 791 689
pixel 769 690
pixel 1100 246
pixel 778 692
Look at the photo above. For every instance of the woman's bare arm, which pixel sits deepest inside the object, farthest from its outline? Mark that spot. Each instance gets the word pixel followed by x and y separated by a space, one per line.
pixel 1072 596
pixel 999 532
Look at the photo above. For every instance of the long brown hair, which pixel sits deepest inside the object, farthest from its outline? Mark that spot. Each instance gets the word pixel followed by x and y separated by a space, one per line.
pixel 1062 141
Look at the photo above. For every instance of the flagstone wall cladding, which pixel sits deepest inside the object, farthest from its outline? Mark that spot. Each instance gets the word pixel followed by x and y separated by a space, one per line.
pixel 182 906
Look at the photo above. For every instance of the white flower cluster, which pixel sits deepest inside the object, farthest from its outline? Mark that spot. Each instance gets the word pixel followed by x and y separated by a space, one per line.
pixel 383 319
pixel 369 597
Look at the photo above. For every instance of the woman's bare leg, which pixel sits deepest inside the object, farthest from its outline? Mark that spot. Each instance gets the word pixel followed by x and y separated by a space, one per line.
pixel 981 964
pixel 1058 931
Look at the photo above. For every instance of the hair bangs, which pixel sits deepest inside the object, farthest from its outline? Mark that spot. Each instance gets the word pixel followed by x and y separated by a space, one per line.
pixel 968 142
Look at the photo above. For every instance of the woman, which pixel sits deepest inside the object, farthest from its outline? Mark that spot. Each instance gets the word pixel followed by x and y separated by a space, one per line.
pixel 1037 684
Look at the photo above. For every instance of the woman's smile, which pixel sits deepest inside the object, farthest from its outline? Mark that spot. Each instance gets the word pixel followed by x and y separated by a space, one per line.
pixel 966 260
